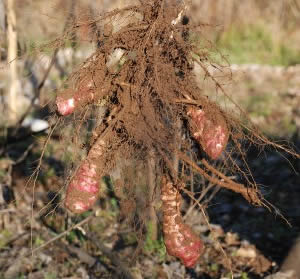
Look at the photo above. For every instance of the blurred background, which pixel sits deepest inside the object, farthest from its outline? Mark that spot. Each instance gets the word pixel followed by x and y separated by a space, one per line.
pixel 257 42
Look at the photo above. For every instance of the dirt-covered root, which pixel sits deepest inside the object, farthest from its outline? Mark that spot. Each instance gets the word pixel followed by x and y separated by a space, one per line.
pixel 83 190
pixel 179 238
pixel 142 73
pixel 67 105
pixel 143 70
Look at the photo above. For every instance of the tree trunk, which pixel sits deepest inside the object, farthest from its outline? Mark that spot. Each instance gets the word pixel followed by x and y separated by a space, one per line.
pixel 12 98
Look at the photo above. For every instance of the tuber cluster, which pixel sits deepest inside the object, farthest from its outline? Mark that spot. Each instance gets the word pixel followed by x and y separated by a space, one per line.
pixel 146 93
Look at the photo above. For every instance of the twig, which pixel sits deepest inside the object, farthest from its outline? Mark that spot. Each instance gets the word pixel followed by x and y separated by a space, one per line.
pixel 86 220
pixel 12 240
pixel 187 101
pixel 214 192
pixel 229 264
pixel 251 130
pixel 216 172
pixel 203 193
pixel 249 194
pixel 37 92
pixel 24 155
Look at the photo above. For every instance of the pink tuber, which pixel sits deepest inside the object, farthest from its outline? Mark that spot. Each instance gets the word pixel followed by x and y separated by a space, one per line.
pixel 209 130
pixel 74 99
pixel 179 238
pixel 83 190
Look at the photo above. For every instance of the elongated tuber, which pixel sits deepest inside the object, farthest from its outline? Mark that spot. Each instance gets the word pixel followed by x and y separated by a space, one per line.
pixel 83 190
pixel 210 130
pixel 71 99
pixel 179 238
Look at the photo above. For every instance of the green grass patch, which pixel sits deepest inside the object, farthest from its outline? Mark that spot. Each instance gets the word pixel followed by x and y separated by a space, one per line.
pixel 5 235
pixel 260 105
pixel 256 44
pixel 157 246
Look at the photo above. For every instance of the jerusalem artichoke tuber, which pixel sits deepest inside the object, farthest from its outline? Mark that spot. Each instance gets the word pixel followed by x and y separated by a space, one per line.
pixel 179 238
pixel 209 130
pixel 71 99
pixel 83 190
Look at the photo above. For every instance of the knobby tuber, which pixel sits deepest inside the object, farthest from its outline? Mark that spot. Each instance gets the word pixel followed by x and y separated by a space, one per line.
pixel 179 238
pixel 209 130
pixel 83 190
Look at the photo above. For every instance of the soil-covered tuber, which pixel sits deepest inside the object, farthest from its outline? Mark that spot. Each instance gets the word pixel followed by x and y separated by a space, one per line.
pixel 179 238
pixel 210 130
pixel 70 99
pixel 83 190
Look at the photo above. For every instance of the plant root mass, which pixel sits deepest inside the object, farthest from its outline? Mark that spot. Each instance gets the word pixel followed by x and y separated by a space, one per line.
pixel 152 104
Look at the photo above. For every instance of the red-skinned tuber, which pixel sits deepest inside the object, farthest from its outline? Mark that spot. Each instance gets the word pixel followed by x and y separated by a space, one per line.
pixel 179 238
pixel 70 99
pixel 209 130
pixel 83 190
